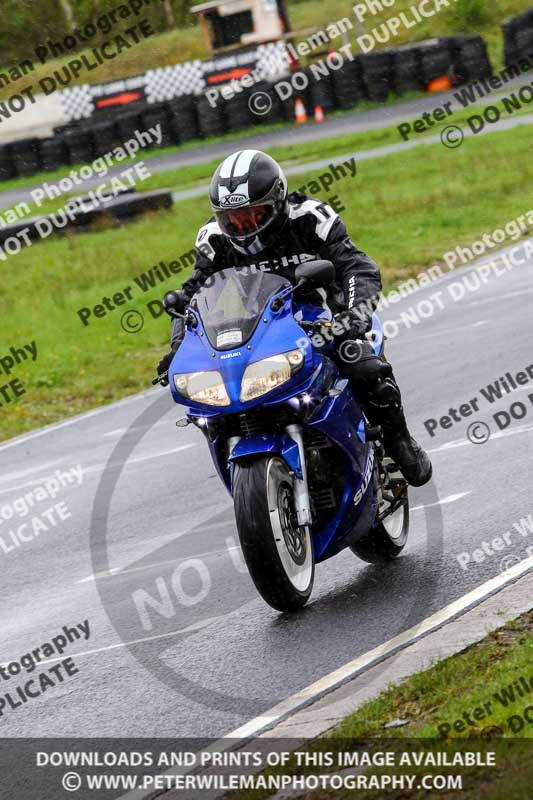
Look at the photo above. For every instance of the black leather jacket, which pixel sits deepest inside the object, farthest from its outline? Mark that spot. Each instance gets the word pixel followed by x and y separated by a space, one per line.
pixel 313 230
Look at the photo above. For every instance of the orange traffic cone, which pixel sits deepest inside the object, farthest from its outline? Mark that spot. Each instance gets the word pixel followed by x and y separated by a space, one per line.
pixel 300 114
pixel 442 84
pixel 319 114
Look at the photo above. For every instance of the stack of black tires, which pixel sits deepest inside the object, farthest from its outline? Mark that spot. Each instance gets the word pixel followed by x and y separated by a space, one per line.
pixel 470 59
pixel 518 38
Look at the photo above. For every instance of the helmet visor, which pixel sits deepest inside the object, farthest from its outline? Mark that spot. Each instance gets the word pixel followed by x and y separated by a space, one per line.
pixel 239 223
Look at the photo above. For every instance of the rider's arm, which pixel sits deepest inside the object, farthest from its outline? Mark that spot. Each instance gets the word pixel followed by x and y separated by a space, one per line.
pixel 209 254
pixel 357 273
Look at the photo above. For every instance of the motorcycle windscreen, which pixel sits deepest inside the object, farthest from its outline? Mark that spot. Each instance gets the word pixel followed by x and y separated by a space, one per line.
pixel 232 302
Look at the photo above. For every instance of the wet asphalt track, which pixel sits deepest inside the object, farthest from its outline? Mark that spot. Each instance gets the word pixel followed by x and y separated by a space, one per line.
pixel 167 530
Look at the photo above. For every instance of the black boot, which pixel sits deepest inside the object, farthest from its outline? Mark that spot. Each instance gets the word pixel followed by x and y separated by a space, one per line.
pixel 409 457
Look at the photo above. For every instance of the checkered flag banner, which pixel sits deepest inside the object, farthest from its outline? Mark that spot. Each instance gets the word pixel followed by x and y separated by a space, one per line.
pixel 168 82
pixel 77 102
pixel 272 59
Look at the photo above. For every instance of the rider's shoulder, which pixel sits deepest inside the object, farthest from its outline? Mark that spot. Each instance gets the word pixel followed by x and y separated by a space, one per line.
pixel 312 213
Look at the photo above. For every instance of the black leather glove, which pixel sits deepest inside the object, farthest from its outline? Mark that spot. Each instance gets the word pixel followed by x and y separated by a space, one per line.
pixel 347 325
pixel 164 366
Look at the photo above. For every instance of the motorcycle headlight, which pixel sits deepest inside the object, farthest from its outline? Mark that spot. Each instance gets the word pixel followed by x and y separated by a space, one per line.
pixel 204 387
pixel 269 373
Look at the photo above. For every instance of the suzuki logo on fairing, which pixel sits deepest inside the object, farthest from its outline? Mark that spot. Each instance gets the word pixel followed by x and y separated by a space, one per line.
pixel 234 200
pixel 231 355
pixel 368 474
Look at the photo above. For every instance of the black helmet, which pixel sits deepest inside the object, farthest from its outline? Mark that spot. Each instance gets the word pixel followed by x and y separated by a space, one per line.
pixel 248 195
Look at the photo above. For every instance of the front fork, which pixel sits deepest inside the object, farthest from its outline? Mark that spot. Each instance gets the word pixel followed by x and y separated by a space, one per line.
pixel 302 500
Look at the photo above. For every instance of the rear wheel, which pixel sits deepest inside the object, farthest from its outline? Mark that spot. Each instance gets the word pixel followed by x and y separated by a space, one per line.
pixel 278 553
pixel 386 540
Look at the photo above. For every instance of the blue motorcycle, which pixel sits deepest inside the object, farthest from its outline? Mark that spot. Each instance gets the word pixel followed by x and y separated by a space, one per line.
pixel 307 473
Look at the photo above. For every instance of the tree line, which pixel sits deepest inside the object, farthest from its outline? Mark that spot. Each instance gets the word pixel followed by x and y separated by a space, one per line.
pixel 24 24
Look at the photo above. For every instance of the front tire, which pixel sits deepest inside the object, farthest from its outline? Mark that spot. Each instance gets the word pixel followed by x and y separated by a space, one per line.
pixel 279 555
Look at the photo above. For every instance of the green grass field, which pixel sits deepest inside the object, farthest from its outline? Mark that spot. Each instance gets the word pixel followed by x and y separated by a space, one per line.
pixel 405 210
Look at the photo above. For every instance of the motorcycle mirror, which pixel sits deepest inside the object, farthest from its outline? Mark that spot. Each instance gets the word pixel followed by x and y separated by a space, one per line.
pixel 174 303
pixel 319 273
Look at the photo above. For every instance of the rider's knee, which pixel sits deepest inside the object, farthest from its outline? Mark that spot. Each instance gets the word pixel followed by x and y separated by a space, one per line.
pixel 369 370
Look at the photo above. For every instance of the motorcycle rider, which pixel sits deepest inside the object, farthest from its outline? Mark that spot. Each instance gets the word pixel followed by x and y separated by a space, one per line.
pixel 256 222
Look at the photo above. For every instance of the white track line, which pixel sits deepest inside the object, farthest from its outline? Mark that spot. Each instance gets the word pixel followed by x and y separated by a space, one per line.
pixel 197 626
pixel 335 679
pixel 452 498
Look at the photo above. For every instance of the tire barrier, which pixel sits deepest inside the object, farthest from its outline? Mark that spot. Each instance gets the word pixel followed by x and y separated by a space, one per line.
pixel 238 113
pixel 211 121
pixel 127 124
pixel 348 86
pixel 184 118
pixel 105 138
pixel 7 170
pixel 470 59
pixel 27 226
pixel 322 93
pixel 54 153
pixel 276 112
pixel 159 115
pixel 518 37
pixel 374 76
pixel 377 75
pixel 131 205
pixel 79 142
pixel 25 155
pixel 124 207
pixel 406 70
pixel 435 60
pixel 85 203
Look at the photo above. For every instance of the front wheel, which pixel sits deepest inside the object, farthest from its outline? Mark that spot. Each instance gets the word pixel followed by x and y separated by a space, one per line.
pixel 279 554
